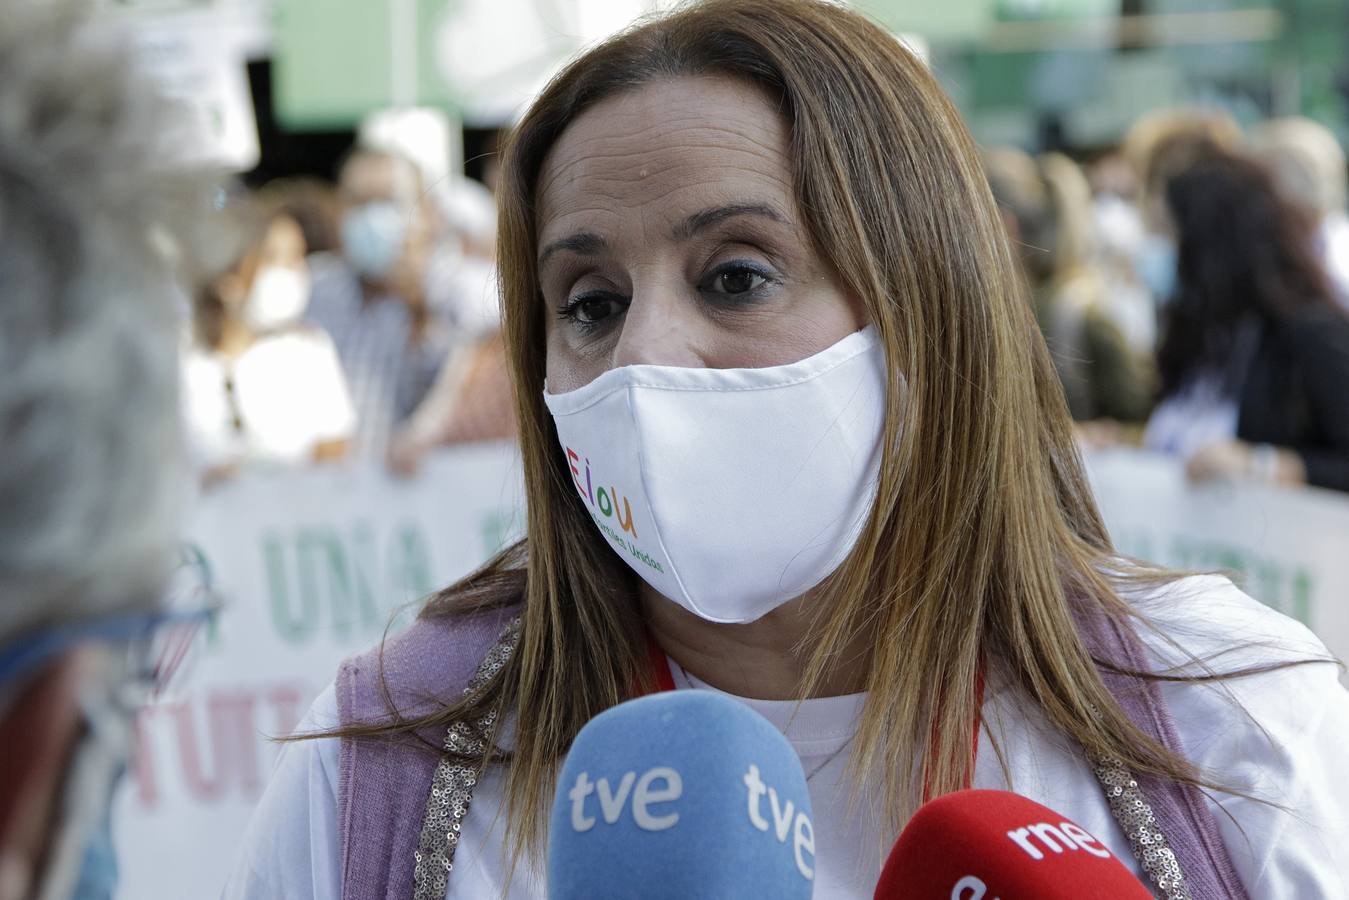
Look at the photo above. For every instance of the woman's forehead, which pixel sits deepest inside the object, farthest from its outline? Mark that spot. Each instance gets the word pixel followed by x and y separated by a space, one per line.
pixel 662 151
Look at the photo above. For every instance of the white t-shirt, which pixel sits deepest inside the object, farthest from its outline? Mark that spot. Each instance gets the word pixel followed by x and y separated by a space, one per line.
pixel 1335 253
pixel 1294 756
pixel 289 395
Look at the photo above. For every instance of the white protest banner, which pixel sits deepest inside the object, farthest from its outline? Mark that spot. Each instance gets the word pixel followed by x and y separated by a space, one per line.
pixel 1286 548
pixel 312 566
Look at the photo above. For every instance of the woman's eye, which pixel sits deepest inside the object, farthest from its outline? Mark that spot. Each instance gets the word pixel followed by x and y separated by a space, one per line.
pixel 736 280
pixel 589 311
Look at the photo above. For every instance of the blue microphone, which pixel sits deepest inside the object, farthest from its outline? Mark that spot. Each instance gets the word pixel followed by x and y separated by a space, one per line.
pixel 684 795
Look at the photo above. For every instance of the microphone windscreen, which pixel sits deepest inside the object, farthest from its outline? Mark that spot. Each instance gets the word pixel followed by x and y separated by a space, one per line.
pixel 679 795
pixel 996 845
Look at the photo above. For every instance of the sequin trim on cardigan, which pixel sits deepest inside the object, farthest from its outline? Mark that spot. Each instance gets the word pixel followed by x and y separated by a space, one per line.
pixel 453 782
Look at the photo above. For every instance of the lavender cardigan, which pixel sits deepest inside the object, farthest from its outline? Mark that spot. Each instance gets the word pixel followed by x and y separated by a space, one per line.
pixel 384 783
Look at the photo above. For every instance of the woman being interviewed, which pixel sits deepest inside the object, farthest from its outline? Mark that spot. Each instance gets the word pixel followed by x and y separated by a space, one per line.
pixel 787 420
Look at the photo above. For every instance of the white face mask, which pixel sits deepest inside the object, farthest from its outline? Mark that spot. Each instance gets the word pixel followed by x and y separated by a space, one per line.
pixel 278 298
pixel 730 491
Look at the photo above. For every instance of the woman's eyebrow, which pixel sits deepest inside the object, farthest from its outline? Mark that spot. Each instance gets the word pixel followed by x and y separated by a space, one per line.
pixel 587 243
pixel 584 243
pixel 716 214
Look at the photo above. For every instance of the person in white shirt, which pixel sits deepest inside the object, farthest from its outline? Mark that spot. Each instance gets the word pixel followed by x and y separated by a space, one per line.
pixel 789 432
pixel 291 849
pixel 261 388
pixel 373 297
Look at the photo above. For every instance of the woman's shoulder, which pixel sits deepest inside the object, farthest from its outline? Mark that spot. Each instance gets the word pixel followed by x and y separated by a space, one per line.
pixel 421 668
pixel 1251 691
pixel 1275 735
pixel 1208 618
pixel 1243 682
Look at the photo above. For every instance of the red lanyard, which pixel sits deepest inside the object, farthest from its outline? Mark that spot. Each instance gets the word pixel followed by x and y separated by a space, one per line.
pixel 660 665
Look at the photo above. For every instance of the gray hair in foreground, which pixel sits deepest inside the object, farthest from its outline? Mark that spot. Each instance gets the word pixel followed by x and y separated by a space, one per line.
pixel 90 484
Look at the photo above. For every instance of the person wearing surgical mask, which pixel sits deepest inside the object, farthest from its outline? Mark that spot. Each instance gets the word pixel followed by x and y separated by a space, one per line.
pixel 373 298
pixel 93 474
pixel 1158 145
pixel 261 387
pixel 789 432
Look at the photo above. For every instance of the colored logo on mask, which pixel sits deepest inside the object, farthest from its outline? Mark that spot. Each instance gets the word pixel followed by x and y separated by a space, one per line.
pixel 605 502
pixel 607 505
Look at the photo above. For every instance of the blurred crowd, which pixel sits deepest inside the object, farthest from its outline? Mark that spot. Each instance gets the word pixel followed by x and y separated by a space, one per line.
pixel 353 321
pixel 1193 287
pixel 1192 284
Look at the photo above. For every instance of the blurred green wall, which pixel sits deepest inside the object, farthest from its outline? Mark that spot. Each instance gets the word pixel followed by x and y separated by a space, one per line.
pixel 1023 71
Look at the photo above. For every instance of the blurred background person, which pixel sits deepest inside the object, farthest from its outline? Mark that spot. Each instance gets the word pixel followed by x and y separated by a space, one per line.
pixel 470 402
pixel 1254 358
pixel 373 300
pixel 261 387
pixel 461 276
pixel 1119 234
pixel 1158 145
pixel 313 204
pixel 1046 208
pixel 471 399
pixel 90 488
pixel 1309 168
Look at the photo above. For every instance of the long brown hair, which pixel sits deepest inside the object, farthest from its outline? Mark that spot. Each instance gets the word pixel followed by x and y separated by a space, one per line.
pixel 984 540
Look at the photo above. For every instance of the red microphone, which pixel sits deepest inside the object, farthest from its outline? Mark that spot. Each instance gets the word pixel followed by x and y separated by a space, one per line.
pixel 995 845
